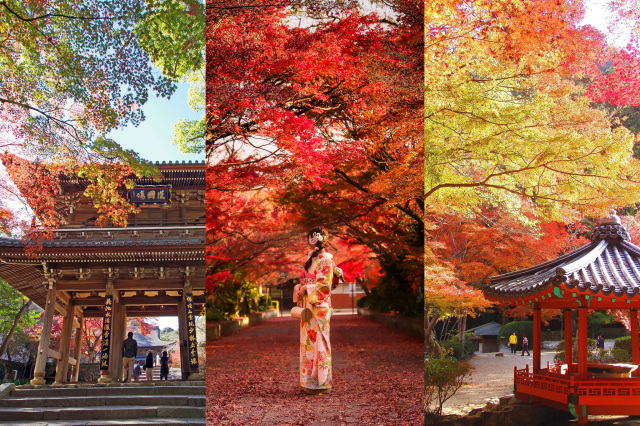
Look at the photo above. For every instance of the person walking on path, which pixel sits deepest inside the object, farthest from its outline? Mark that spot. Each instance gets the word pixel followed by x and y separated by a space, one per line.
pixel 316 285
pixel 164 366
pixel 525 344
pixel 158 356
pixel 129 351
pixel 148 366
pixel 513 341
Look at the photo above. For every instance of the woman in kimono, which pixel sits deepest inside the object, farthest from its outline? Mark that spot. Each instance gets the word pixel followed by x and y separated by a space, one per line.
pixel 316 284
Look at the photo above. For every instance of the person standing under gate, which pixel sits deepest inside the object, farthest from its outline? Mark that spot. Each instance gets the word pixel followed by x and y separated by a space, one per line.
pixel 164 366
pixel 129 351
pixel 148 366
pixel 513 341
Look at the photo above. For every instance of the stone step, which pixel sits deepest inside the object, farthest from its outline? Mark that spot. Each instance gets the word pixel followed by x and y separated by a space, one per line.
pixel 97 401
pixel 133 422
pixel 115 412
pixel 171 388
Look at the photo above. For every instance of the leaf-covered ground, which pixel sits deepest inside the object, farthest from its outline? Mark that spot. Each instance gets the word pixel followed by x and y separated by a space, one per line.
pixel 252 376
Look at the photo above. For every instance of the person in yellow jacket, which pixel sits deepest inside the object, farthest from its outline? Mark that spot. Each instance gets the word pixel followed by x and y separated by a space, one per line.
pixel 513 341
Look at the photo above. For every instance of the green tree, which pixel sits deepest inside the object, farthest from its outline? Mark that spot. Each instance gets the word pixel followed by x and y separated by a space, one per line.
pixel 15 313
pixel 189 135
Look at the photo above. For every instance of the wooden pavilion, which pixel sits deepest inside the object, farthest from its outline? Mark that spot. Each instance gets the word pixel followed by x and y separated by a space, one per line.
pixel 604 274
pixel 153 267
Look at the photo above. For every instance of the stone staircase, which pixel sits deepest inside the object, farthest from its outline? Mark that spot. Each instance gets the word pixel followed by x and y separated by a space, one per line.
pixel 175 403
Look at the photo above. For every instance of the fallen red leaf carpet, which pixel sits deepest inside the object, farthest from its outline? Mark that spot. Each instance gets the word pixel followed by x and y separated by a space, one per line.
pixel 252 376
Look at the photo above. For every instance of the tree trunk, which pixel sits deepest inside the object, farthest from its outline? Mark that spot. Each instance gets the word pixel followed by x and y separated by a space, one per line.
pixel 430 344
pixel 462 326
pixel 5 343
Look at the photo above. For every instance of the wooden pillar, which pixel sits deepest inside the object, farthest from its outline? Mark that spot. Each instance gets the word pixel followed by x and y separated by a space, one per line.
pixel 568 336
pixel 635 349
pixel 183 339
pixel 582 342
pixel 106 366
pixel 45 338
pixel 77 346
pixel 119 331
pixel 537 338
pixel 62 366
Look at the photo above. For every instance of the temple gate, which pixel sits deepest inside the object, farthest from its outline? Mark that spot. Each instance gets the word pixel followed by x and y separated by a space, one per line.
pixel 153 267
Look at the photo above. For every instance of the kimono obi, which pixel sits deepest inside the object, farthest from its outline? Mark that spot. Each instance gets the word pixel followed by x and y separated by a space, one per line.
pixel 308 279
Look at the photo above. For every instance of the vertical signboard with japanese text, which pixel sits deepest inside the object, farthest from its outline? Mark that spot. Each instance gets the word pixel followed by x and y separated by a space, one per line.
pixel 191 332
pixel 106 332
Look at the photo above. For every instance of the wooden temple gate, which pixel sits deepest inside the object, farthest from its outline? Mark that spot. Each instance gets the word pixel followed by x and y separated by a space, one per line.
pixel 602 275
pixel 153 267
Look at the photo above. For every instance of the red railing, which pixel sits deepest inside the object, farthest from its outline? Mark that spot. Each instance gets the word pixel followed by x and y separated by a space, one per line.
pixel 552 384
pixel 545 384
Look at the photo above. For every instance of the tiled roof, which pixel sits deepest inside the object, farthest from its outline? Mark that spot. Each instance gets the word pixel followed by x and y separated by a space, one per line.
pixel 609 265
pixel 489 329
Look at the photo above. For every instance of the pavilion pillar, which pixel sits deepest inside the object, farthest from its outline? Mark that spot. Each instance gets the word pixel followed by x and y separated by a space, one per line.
pixel 77 346
pixel 45 338
pixel 568 338
pixel 62 366
pixel 635 349
pixel 537 338
pixel 582 342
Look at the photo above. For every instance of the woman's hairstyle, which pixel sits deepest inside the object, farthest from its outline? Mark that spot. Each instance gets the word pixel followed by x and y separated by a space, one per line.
pixel 319 237
pixel 164 353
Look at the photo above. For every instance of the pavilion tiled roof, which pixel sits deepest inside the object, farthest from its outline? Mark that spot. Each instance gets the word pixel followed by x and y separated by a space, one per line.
pixel 609 265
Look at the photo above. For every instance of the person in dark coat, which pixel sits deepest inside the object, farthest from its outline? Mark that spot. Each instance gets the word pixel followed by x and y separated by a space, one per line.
pixel 148 366
pixel 164 366
pixel 129 351
pixel 601 341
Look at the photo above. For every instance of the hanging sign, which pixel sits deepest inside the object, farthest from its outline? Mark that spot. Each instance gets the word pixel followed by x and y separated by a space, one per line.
pixel 191 332
pixel 106 332
pixel 150 194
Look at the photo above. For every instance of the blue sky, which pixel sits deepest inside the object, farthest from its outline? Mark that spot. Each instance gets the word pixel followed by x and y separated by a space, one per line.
pixel 152 138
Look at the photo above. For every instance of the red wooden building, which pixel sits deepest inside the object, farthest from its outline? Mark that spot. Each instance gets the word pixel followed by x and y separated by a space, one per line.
pixel 604 274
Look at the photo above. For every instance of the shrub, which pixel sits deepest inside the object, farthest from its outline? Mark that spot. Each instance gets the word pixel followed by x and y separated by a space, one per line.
pixel 519 327
pixel 623 343
pixel 232 298
pixel 593 354
pixel 457 349
pixel 443 376
pixel 362 302
pixel 392 293
pixel 620 355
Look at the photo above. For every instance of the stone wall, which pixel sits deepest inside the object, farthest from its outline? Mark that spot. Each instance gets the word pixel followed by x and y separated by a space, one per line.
pixel 509 412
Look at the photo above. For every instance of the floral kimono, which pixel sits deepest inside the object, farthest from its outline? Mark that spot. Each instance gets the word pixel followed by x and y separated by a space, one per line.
pixel 315 348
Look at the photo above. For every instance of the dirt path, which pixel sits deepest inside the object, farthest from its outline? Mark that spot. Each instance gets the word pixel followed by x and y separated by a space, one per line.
pixel 252 376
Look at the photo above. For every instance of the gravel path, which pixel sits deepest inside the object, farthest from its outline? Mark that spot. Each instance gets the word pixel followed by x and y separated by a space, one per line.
pixel 492 377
